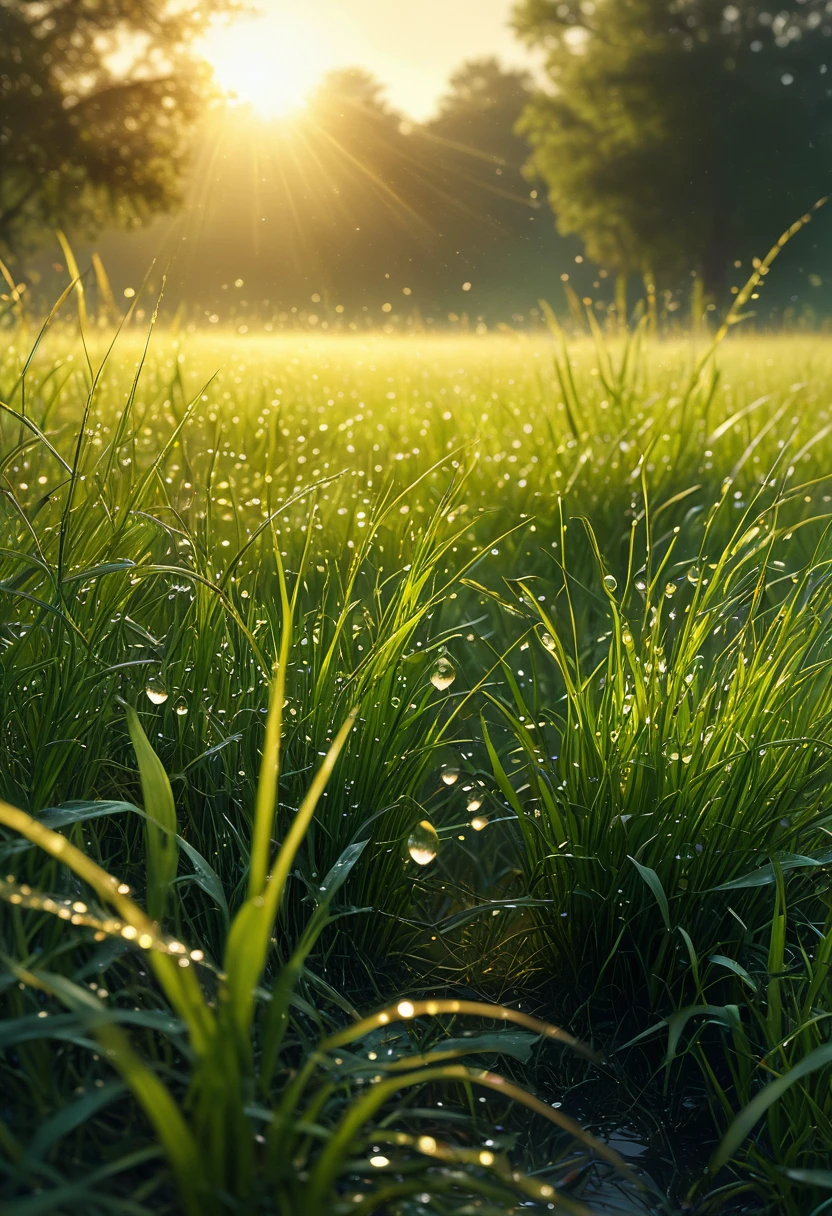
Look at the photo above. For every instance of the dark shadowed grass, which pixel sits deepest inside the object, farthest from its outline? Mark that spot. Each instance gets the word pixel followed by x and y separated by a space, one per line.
pixel 253 1102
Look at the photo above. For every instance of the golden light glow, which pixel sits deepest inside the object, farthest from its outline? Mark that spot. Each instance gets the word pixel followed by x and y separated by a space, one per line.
pixel 268 61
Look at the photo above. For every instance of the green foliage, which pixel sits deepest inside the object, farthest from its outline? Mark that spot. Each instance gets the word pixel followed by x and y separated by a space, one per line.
pixel 773 1102
pixel 700 736
pixel 86 141
pixel 615 539
pixel 208 1134
pixel 160 824
pixel 678 137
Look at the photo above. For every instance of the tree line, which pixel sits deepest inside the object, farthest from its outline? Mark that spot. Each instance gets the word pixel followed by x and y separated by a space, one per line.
pixel 667 137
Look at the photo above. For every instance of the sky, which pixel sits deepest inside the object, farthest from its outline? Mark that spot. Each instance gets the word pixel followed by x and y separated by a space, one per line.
pixel 412 47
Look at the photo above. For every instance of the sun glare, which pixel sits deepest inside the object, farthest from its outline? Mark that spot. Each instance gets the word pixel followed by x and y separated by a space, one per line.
pixel 265 62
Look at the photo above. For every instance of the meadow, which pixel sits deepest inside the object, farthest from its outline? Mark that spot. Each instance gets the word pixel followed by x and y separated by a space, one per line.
pixel 424 743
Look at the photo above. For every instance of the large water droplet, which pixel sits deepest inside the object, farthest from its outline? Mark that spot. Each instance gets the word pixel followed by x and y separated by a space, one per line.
pixel 443 674
pixel 156 691
pixel 181 707
pixel 450 775
pixel 548 641
pixel 693 575
pixel 670 590
pixel 479 823
pixel 474 803
pixel 610 583
pixel 423 843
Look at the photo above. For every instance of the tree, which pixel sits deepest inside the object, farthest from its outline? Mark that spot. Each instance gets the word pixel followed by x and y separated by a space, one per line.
pixel 349 206
pixel 679 134
pixel 95 98
pixel 481 156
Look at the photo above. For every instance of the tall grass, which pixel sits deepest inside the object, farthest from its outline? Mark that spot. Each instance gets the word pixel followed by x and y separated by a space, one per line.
pixel 249 1114
pixel 109 578
pixel 688 751
pixel 619 552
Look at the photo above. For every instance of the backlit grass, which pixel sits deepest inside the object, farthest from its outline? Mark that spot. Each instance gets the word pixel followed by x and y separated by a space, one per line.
pixel 593 580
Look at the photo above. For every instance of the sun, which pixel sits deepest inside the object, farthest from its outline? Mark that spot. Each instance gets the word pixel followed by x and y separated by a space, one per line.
pixel 265 61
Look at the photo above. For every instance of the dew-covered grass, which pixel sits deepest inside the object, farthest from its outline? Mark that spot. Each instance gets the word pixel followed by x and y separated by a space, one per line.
pixel 578 597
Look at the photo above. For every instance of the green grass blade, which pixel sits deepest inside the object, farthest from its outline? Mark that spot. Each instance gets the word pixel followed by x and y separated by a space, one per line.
pixel 160 824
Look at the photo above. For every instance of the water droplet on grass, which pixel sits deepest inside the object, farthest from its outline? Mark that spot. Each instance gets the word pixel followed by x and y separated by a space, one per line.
pixel 479 823
pixel 450 775
pixel 474 803
pixel 423 843
pixel 156 691
pixel 548 641
pixel 443 674
pixel 670 590
pixel 181 707
pixel 610 583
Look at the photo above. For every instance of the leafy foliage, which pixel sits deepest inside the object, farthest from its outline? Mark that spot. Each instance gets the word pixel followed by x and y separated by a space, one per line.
pixel 677 137
pixel 85 139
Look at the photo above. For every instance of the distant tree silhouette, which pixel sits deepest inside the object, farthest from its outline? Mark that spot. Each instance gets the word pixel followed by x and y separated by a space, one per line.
pixel 480 159
pixel 95 97
pixel 679 134
pixel 348 205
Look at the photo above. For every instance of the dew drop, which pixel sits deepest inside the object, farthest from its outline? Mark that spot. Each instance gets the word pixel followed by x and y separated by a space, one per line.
pixel 156 691
pixel 423 843
pixel 548 641
pixel 610 583
pixel 479 823
pixel 693 575
pixel 443 674
pixel 474 803
pixel 450 775
pixel 181 707
pixel 670 590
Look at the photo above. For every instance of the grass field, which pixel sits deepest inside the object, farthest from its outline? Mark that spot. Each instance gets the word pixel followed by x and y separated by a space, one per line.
pixel 408 674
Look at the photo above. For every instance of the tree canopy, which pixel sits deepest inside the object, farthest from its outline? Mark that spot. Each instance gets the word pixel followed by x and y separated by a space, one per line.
pixel 678 135
pixel 95 97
